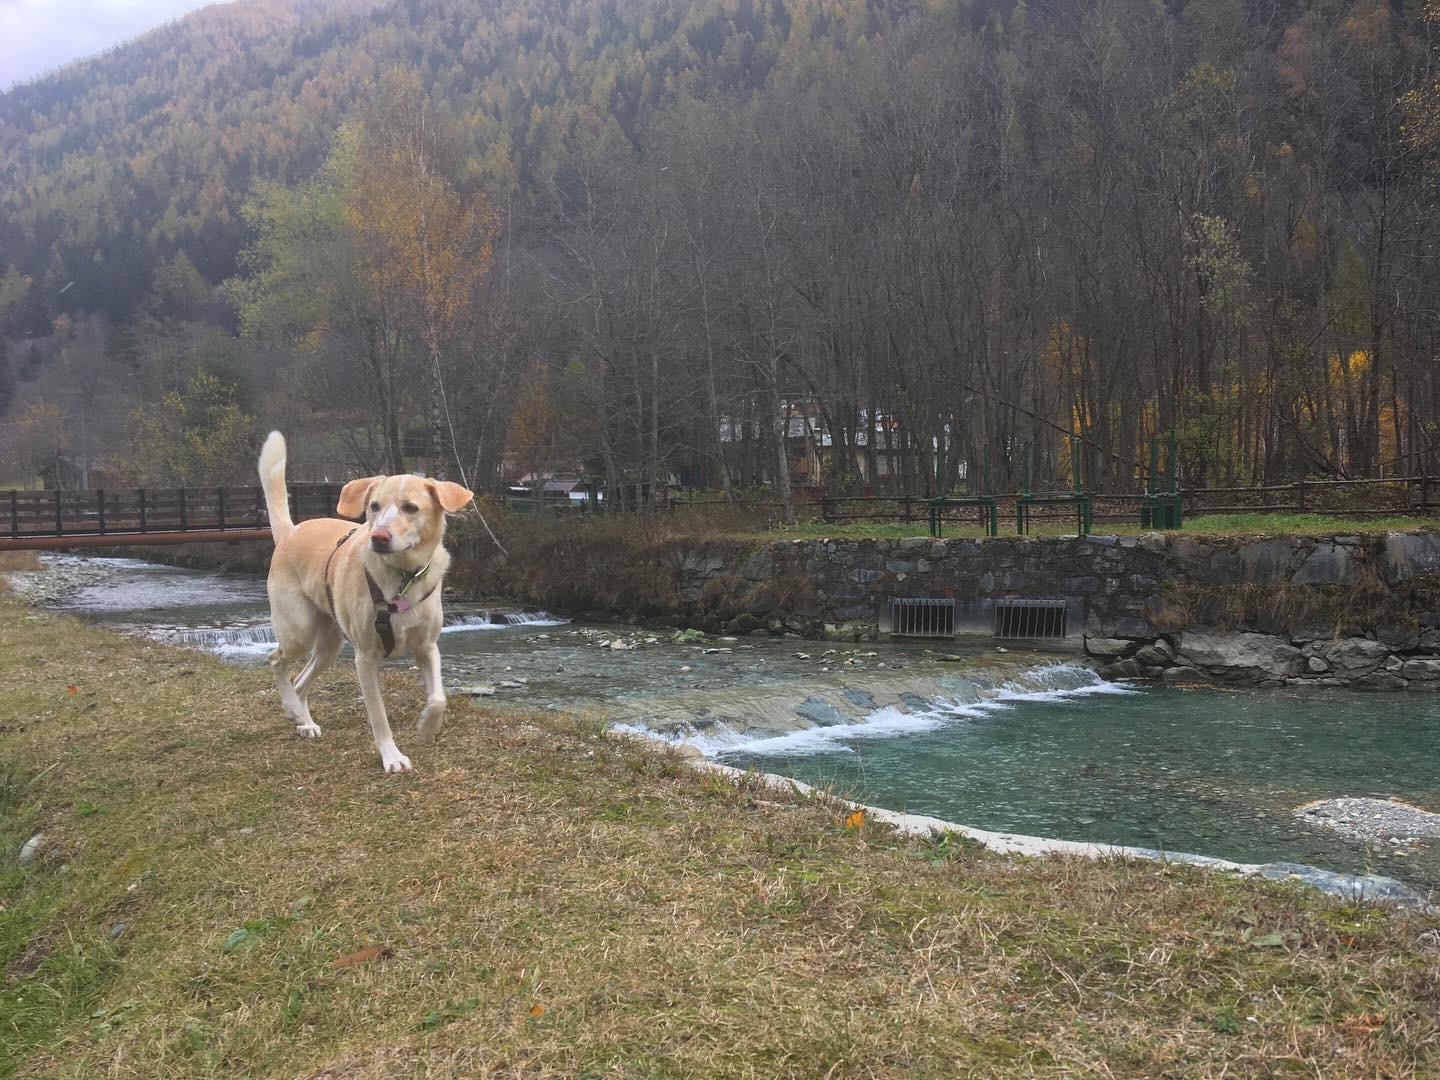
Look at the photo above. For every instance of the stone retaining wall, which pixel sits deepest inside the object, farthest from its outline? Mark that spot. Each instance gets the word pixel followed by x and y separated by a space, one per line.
pixel 1339 610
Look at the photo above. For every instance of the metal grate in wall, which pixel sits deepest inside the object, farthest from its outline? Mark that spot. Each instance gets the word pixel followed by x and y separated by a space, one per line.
pixel 920 617
pixel 1017 618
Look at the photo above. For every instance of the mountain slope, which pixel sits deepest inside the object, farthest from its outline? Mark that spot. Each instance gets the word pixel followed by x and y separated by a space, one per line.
pixel 113 163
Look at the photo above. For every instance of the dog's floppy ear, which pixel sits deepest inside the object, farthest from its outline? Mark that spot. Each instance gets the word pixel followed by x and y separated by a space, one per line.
pixel 354 495
pixel 450 496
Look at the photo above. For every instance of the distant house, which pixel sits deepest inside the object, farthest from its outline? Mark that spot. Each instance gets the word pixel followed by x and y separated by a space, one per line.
pixel 557 488
pixel 875 446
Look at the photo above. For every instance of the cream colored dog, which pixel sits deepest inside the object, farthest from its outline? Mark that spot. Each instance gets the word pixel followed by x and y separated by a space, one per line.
pixel 377 584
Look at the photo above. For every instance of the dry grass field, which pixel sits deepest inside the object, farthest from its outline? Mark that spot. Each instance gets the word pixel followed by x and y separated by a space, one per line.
pixel 217 898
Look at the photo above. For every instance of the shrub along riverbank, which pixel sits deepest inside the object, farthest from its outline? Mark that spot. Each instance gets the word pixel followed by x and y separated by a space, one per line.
pixel 213 897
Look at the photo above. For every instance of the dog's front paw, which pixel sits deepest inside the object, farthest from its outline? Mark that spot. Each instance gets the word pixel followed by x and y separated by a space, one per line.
pixel 308 730
pixel 394 760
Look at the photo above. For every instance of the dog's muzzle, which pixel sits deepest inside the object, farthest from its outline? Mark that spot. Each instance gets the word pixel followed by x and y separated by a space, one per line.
pixel 380 539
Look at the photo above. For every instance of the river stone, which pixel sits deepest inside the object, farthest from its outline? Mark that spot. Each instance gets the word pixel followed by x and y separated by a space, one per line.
pixel 1104 648
pixel 819 712
pixel 1317 665
pixel 1261 652
pixel 1355 654
pixel 1421 669
pixel 862 698
pixel 31 848
pixel 1156 654
pixel 1380 680
pixel 1123 669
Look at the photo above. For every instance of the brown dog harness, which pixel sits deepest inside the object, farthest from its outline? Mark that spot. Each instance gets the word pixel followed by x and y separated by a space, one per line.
pixel 384 608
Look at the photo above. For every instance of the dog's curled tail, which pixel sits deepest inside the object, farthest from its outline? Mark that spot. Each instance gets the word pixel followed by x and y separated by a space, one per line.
pixel 272 479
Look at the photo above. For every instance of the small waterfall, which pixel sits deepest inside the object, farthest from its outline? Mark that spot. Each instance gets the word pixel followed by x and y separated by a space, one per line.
pixel 256 639
pixel 499 620
pixel 830 720
pixel 1052 678
pixel 260 637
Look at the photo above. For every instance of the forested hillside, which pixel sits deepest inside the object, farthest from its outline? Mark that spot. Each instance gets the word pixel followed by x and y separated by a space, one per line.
pixel 662 239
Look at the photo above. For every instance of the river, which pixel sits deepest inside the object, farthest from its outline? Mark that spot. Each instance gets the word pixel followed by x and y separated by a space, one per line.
pixel 1020 741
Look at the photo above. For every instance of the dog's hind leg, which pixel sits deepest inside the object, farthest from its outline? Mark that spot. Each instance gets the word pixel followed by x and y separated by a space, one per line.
pixel 296 635
pixel 291 703
pixel 328 643
pixel 427 658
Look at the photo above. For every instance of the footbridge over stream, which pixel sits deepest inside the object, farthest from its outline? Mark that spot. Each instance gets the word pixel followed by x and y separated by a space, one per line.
pixel 36 520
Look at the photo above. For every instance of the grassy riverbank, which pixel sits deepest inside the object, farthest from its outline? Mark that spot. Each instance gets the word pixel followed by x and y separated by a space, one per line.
pixel 218 898
pixel 1202 525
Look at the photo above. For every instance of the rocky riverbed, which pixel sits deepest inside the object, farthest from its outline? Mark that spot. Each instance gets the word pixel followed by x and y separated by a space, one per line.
pixel 60 577
pixel 1374 820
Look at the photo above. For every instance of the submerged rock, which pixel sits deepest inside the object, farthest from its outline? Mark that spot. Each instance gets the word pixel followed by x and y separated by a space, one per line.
pixel 818 711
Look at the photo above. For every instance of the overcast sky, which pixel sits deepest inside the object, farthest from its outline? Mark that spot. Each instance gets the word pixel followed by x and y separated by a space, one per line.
pixel 37 35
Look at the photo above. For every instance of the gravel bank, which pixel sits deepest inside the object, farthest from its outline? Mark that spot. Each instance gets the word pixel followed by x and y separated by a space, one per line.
pixel 1374 820
pixel 62 576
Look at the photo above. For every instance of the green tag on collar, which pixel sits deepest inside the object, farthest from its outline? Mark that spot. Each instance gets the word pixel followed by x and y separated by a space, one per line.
pixel 416 576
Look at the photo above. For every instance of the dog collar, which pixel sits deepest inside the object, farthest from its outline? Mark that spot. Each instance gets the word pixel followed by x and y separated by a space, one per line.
pixel 398 601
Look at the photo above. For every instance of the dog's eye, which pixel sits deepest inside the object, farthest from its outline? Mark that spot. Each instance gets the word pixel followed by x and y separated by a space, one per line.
pixel 410 508
pixel 375 508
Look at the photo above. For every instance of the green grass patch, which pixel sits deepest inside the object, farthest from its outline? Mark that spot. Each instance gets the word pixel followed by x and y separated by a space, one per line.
pixel 1300 524
pixel 1201 525
pixel 539 899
